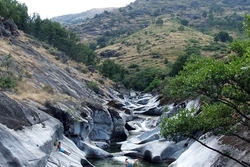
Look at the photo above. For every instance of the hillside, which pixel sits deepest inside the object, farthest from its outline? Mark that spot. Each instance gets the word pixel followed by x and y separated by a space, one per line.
pixel 46 97
pixel 42 73
pixel 79 17
pixel 134 35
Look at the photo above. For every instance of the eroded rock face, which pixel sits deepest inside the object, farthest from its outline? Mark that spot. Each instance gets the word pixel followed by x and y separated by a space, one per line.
pixel 27 136
pixel 19 127
pixel 119 132
pixel 152 147
pixel 14 115
pixel 8 28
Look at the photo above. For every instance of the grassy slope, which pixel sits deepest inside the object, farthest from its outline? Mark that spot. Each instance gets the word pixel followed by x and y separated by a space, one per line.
pixel 28 88
pixel 152 45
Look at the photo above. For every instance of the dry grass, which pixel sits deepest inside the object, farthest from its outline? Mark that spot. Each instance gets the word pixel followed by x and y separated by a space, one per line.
pixel 29 88
pixel 152 45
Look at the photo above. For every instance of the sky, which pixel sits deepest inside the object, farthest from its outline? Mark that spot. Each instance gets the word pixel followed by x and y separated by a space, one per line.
pixel 53 8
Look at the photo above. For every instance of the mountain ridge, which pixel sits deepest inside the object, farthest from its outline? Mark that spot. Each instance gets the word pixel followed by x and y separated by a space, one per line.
pixel 69 19
pixel 138 22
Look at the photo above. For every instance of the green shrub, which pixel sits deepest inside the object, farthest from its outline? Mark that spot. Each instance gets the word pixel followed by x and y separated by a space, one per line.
pixel 93 86
pixel 48 89
pixel 7 82
pixel 212 47
pixel 181 28
pixel 133 66
pixel 156 56
pixel 193 41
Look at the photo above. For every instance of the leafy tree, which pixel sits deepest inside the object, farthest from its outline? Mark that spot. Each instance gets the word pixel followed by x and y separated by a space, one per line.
pixel 145 80
pixel 223 37
pixel 54 34
pixel 211 16
pixel 181 28
pixel 155 84
pixel 182 59
pixel 178 64
pixel 12 9
pixel 156 12
pixel 184 22
pixel 112 70
pixel 223 88
pixel 159 22
pixel 92 46
pixel 240 47
pixel 204 14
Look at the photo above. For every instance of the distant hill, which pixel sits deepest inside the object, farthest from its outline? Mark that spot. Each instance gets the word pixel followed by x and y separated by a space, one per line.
pixel 202 15
pixel 153 32
pixel 79 17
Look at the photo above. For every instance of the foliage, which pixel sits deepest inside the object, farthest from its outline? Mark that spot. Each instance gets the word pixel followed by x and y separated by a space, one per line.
pixel 223 37
pixel 159 22
pixel 184 22
pixel 93 86
pixel 54 34
pixel 155 84
pixel 112 70
pixel 12 9
pixel 145 80
pixel 7 79
pixel 204 14
pixel 240 47
pixel 133 66
pixel 213 46
pixel 48 89
pixel 7 82
pixel 224 89
pixel 182 59
pixel 181 28
pixel 178 64
pixel 46 30
pixel 214 118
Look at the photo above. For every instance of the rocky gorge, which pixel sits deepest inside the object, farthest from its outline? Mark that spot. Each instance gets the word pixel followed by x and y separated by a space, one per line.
pixel 57 106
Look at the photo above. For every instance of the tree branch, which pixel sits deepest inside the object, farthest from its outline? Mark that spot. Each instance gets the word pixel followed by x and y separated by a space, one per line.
pixel 244 164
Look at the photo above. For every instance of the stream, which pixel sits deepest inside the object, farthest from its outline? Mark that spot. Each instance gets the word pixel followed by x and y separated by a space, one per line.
pixel 143 123
pixel 118 161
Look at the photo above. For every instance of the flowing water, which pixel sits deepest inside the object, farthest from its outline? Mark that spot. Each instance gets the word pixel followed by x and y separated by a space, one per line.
pixel 119 160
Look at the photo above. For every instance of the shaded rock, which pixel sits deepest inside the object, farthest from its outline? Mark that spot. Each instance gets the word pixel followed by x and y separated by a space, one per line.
pixel 91 151
pixel 115 104
pixel 16 115
pixel 8 28
pixel 119 132
pixel 103 126
pixel 157 151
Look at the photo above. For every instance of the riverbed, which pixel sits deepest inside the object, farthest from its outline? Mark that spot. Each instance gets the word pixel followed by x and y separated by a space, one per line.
pixel 119 162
